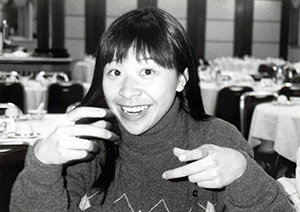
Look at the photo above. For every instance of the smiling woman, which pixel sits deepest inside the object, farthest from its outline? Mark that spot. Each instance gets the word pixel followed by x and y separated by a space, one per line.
pixel 169 156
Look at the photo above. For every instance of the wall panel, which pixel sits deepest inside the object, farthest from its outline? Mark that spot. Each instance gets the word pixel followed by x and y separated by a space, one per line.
pixel 266 28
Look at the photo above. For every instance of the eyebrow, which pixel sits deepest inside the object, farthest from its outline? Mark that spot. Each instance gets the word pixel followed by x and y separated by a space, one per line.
pixel 142 58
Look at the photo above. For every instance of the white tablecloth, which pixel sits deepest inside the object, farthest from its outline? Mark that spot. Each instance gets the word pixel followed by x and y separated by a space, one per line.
pixel 83 71
pixel 34 95
pixel 39 127
pixel 279 124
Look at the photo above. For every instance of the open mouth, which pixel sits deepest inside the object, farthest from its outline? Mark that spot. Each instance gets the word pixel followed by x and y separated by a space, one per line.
pixel 133 111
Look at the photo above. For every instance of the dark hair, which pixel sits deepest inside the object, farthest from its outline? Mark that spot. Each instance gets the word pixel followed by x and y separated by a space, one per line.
pixel 156 32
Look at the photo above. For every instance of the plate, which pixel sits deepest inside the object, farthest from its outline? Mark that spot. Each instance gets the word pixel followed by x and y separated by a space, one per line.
pixel 288 103
pixel 20 118
pixel 14 135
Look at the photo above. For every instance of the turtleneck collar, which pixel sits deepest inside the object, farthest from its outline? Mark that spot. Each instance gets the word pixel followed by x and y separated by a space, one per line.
pixel 158 138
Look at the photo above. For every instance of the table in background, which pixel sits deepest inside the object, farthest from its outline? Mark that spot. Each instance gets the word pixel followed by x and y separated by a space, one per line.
pixel 277 123
pixel 39 127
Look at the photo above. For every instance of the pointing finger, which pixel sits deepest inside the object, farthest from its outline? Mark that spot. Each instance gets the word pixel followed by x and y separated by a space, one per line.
pixel 182 171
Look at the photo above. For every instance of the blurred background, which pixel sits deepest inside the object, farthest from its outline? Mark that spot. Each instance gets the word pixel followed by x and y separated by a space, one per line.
pixel 258 28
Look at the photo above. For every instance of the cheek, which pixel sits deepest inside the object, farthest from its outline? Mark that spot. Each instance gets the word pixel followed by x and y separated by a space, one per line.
pixel 108 93
pixel 108 87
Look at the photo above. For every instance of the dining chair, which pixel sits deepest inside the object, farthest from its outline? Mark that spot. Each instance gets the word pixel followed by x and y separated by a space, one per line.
pixel 12 159
pixel 289 73
pixel 295 78
pixel 267 70
pixel 63 94
pixel 14 93
pixel 228 103
pixel 248 102
pixel 290 90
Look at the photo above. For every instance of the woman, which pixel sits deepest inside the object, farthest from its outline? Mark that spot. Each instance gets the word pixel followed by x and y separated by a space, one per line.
pixel 170 156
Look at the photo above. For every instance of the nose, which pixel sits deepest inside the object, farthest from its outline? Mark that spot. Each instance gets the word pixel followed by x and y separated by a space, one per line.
pixel 130 88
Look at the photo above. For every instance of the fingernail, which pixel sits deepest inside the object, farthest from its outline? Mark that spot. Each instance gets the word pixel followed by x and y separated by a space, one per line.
pixel 108 134
pixel 102 112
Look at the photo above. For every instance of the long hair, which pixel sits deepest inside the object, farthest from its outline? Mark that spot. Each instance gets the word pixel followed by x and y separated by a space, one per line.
pixel 157 33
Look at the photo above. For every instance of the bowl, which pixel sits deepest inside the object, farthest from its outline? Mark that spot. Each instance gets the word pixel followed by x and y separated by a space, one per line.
pixel 37 115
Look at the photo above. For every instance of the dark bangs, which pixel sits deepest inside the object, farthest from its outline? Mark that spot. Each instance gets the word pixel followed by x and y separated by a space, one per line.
pixel 145 32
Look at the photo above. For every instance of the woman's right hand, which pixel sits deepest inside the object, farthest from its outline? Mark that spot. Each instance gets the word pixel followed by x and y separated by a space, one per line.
pixel 66 141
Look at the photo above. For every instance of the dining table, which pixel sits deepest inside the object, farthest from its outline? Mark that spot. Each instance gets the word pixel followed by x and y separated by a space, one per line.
pixel 24 130
pixel 277 125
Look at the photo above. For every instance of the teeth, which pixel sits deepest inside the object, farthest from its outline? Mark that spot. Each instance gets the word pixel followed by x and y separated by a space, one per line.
pixel 138 109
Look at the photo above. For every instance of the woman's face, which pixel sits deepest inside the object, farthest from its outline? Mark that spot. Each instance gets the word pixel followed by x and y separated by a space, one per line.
pixel 141 92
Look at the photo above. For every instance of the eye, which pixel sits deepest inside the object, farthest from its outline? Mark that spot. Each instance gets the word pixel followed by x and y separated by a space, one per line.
pixel 115 72
pixel 147 72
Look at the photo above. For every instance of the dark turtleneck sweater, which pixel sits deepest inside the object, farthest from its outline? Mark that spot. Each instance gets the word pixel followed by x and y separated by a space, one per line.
pixel 138 185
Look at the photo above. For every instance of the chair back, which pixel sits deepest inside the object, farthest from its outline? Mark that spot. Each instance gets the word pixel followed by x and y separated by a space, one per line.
pixel 290 90
pixel 61 95
pixel 11 164
pixel 289 73
pixel 248 102
pixel 267 70
pixel 14 93
pixel 228 103
pixel 295 78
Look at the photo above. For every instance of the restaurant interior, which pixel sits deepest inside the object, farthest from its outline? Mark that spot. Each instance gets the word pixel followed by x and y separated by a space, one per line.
pixel 249 69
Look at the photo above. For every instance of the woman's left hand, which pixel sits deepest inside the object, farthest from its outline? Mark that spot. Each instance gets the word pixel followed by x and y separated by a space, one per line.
pixel 209 166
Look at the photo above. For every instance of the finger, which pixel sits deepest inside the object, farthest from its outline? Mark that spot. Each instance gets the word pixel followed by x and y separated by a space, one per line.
pixel 88 112
pixel 184 171
pixel 204 176
pixel 178 151
pixel 79 144
pixel 70 155
pixel 195 154
pixel 102 124
pixel 209 184
pixel 84 130
pixel 191 168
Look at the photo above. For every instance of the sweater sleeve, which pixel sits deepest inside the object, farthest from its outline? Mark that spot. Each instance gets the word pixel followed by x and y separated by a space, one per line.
pixel 255 191
pixel 41 187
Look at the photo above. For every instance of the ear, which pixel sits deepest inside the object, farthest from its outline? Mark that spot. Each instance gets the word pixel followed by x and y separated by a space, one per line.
pixel 182 80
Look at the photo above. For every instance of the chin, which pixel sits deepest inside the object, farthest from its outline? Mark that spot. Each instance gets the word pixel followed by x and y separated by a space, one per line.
pixel 134 131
